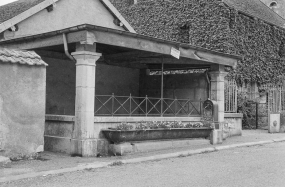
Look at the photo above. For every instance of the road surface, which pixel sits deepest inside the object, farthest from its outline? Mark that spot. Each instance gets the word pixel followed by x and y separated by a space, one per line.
pixel 260 166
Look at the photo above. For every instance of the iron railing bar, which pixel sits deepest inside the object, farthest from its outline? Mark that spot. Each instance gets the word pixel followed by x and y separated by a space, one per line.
pixel 191 111
pixel 121 105
pixel 146 105
pixel 182 107
pixel 139 106
pixel 154 106
pixel 144 98
pixel 195 108
pixel 168 107
pixel 154 102
pixel 103 105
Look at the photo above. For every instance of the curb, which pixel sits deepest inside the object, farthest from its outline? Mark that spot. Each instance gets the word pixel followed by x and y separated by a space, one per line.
pixel 135 160
pixel 244 145
pixel 54 172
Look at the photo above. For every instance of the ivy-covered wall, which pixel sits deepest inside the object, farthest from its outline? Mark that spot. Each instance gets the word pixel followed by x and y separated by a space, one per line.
pixel 213 25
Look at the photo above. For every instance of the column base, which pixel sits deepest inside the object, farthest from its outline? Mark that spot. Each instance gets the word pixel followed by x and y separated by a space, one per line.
pixel 89 147
pixel 216 137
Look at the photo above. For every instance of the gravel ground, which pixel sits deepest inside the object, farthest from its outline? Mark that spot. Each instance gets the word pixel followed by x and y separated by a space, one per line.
pixel 250 166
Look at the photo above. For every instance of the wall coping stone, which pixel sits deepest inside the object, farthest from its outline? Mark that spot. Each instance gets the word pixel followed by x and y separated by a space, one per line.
pixel 233 115
pixel 59 118
pixel 137 119
pixel 122 119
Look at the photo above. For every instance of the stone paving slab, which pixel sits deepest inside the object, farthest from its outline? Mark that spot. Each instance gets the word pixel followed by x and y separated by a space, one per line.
pixel 52 163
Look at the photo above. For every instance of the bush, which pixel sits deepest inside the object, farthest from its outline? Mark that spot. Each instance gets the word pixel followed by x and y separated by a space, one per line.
pixel 247 108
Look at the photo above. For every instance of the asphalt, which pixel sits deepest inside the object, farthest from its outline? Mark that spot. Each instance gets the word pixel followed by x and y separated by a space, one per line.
pixel 54 163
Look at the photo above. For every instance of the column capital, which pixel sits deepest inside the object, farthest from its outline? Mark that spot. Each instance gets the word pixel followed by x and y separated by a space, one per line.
pixel 217 75
pixel 89 54
pixel 86 57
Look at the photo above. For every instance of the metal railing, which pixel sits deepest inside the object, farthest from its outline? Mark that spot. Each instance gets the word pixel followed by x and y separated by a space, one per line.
pixel 112 105
pixel 230 96
pixel 275 99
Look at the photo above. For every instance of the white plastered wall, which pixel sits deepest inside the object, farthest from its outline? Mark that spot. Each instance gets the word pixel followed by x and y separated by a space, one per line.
pixel 67 13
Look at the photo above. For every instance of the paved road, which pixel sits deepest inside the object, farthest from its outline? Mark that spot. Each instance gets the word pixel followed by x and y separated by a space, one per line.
pixel 251 166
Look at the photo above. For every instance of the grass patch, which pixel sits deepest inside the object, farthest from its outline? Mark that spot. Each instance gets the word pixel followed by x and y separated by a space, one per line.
pixel 182 155
pixel 22 157
pixel 116 163
pixel 88 169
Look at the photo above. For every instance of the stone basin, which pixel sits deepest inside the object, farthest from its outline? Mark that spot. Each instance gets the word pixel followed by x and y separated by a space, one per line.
pixel 120 136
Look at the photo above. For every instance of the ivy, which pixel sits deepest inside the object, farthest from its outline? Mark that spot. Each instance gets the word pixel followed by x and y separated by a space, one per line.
pixel 214 26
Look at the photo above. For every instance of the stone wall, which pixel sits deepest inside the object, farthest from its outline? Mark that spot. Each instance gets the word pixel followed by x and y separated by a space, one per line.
pixel 232 125
pixel 22 109
pixel 59 129
pixel 58 133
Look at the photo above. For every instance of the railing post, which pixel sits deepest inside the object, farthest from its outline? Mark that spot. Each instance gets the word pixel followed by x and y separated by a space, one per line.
pixel 201 106
pixel 280 105
pixel 95 109
pixel 175 109
pixel 161 107
pixel 236 92
pixel 113 99
pixel 130 104
pixel 146 105
pixel 188 101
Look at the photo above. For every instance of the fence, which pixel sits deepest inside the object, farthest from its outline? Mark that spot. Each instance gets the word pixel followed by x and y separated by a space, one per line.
pixel 148 106
pixel 275 98
pixel 112 105
pixel 230 96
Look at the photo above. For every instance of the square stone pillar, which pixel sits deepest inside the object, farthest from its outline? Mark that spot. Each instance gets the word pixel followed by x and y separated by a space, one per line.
pixel 217 91
pixel 84 142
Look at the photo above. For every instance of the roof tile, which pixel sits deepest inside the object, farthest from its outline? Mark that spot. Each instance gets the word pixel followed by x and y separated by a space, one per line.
pixel 22 57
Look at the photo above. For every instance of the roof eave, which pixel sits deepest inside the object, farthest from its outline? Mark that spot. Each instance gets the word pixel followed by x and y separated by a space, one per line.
pixel 182 46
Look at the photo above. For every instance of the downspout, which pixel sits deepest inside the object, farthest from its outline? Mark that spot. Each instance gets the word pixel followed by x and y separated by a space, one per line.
pixel 66 48
pixel 209 83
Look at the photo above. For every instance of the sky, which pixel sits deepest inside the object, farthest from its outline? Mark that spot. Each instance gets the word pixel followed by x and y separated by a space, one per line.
pixel 3 2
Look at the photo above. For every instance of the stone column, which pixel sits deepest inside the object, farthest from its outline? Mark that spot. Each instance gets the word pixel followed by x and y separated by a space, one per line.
pixel 84 142
pixel 217 88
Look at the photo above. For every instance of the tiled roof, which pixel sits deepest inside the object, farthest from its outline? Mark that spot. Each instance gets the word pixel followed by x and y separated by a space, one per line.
pixel 13 9
pixel 257 9
pixel 22 57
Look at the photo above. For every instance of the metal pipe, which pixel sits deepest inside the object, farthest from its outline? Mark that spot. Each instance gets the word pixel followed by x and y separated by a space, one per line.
pixel 161 94
pixel 209 83
pixel 66 48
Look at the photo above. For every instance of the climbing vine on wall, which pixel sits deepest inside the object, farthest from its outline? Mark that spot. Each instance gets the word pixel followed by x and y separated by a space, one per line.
pixel 213 25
